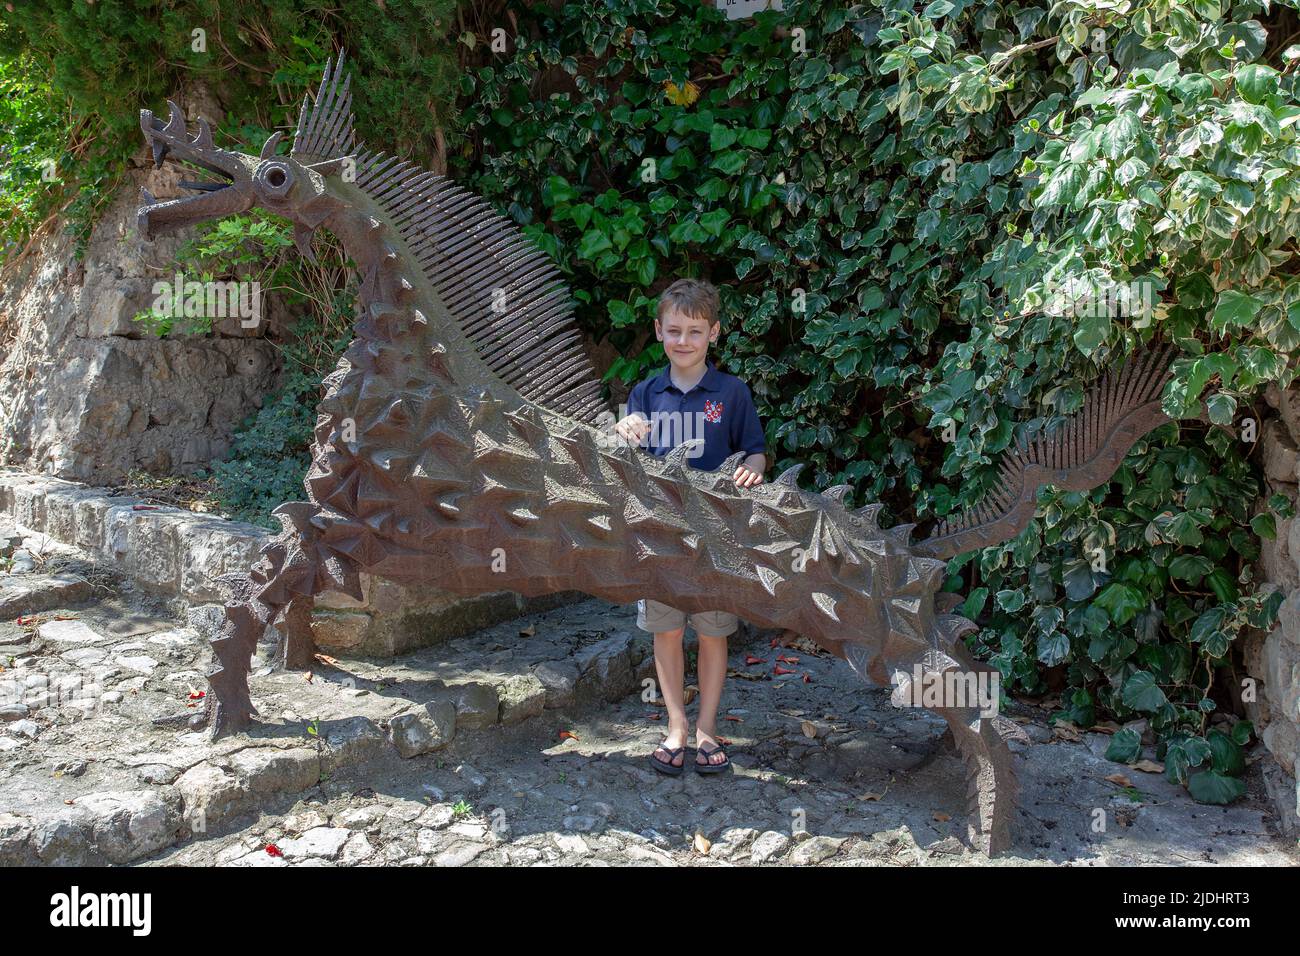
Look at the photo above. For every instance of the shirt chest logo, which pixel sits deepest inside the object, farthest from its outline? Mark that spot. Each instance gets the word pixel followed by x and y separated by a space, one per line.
pixel 712 411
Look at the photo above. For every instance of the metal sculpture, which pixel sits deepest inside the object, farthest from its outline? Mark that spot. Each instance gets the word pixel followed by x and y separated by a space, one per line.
pixel 465 418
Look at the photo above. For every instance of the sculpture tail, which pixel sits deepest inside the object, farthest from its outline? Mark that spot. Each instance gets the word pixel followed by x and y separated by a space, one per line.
pixel 991 784
pixel 1079 456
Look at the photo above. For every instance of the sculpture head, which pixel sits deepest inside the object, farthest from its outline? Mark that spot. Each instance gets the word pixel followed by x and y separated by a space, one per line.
pixel 283 185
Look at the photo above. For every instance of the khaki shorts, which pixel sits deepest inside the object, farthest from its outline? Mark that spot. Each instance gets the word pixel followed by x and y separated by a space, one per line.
pixel 657 618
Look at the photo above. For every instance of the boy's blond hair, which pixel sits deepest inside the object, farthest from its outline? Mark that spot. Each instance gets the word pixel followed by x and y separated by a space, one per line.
pixel 698 298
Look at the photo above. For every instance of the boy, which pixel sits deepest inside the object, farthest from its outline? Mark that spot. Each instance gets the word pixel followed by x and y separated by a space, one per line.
pixel 692 399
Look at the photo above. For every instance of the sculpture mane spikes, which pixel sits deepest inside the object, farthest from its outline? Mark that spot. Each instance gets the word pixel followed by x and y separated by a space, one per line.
pixel 1079 456
pixel 502 291
pixel 327 132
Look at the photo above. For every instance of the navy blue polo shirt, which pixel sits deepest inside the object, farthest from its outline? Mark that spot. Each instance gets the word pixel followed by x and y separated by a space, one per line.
pixel 719 409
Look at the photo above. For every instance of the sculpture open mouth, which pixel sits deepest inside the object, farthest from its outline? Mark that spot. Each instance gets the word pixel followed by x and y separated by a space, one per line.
pixel 226 194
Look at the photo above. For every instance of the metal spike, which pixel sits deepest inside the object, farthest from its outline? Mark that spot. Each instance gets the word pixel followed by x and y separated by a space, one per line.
pixel 268 148
pixel 837 492
pixel 677 457
pixel 730 464
pixel 310 130
pixel 339 112
pixel 790 475
pixel 299 141
pixel 901 533
pixel 203 138
pixel 302 242
pixel 175 127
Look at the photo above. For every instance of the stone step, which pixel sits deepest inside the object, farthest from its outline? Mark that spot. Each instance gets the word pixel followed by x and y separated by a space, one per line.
pixel 22 595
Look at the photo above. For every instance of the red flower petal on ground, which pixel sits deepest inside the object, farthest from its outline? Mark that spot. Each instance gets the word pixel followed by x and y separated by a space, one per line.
pixel 787 659
pixel 807 679
pixel 736 719
pixel 779 670
pixel 751 659
pixel 564 734
pixel 273 850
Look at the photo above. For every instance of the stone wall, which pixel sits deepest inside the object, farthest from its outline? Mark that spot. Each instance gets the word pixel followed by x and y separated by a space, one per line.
pixel 1273 660
pixel 85 393
pixel 173 551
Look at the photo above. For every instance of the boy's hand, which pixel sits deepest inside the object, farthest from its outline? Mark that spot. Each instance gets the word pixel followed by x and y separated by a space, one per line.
pixel 750 471
pixel 633 429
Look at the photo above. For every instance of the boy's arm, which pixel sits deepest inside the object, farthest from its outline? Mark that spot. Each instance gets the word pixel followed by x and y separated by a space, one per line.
pixel 748 437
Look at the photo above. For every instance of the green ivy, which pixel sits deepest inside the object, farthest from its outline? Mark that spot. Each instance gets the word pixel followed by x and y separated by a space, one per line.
pixel 33 132
pixel 891 203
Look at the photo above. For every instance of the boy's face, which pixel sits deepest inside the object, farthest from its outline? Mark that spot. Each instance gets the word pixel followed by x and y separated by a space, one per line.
pixel 686 339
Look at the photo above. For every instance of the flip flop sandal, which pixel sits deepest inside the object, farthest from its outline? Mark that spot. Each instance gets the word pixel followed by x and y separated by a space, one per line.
pixel 712 767
pixel 665 766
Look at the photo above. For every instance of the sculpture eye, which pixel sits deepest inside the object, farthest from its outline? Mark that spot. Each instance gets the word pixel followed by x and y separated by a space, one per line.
pixel 274 179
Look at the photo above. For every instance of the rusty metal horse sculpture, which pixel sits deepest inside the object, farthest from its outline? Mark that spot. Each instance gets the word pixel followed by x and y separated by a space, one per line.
pixel 465 417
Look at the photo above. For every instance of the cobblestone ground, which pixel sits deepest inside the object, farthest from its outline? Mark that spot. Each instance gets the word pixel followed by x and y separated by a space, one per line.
pixel 522 744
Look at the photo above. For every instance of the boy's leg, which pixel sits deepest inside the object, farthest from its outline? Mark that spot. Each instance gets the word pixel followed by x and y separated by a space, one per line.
pixel 711 668
pixel 670 666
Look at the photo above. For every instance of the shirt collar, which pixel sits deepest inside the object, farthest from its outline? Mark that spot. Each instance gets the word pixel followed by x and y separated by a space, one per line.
pixel 711 382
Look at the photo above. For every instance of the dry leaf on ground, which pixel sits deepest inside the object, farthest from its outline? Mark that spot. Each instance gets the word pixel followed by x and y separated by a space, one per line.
pixel 1066 730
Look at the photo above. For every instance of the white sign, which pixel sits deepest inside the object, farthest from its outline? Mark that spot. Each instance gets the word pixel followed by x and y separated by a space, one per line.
pixel 737 9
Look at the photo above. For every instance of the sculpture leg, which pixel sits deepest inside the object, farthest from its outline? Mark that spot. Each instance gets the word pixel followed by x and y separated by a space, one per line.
pixel 299 644
pixel 287 576
pixel 228 707
pixel 992 786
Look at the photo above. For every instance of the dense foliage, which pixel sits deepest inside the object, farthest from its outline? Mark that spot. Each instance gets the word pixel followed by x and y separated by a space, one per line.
pixel 916 219
pixel 32 135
